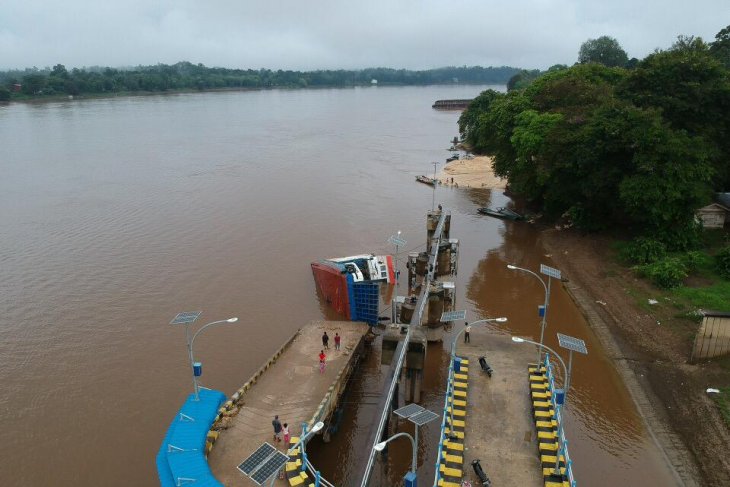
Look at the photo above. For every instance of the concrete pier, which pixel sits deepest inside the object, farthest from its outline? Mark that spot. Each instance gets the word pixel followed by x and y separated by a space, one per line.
pixel 499 430
pixel 292 388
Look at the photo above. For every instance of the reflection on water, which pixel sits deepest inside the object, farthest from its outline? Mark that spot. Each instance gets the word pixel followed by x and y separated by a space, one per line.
pixel 120 213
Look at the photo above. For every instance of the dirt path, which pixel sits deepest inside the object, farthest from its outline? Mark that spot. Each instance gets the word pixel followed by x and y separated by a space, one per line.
pixel 651 359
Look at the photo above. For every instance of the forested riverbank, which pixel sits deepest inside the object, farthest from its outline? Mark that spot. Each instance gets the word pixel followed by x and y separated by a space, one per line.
pixel 34 83
pixel 626 152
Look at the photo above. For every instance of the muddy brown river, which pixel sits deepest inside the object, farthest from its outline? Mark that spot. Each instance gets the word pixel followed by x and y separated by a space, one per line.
pixel 117 214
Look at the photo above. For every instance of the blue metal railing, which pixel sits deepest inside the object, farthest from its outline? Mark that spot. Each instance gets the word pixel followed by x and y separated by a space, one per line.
pixel 449 391
pixel 559 418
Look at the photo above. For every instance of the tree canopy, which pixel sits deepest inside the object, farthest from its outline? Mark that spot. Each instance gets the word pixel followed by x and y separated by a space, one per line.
pixel 604 50
pixel 605 146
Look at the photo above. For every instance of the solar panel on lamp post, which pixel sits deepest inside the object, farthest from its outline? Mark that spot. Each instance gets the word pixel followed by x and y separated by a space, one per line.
pixel 571 344
pixel 417 415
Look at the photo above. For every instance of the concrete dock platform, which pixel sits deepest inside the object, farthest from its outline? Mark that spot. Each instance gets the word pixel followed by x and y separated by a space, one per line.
pixel 499 428
pixel 292 388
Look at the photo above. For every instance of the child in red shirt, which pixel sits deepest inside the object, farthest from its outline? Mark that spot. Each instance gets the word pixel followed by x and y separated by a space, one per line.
pixel 322 359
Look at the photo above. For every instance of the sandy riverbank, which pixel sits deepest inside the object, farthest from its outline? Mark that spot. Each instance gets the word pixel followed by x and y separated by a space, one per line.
pixel 471 173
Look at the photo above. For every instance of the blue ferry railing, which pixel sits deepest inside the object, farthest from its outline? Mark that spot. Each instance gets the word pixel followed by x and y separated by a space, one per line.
pixel 449 387
pixel 563 441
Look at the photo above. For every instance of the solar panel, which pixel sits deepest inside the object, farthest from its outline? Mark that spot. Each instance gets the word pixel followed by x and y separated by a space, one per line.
pixel 550 271
pixel 408 411
pixel 453 315
pixel 395 240
pixel 269 468
pixel 572 343
pixel 256 458
pixel 423 417
pixel 186 317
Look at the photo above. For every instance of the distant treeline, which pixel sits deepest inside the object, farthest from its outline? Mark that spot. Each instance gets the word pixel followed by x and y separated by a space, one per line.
pixel 34 82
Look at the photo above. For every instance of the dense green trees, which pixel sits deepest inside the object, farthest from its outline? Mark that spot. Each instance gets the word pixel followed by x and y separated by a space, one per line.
pixel 187 76
pixel 604 50
pixel 605 146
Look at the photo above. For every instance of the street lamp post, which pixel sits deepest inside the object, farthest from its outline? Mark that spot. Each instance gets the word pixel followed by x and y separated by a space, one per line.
pixel 410 479
pixel 398 241
pixel 550 272
pixel 303 439
pixel 198 372
pixel 187 318
pixel 433 199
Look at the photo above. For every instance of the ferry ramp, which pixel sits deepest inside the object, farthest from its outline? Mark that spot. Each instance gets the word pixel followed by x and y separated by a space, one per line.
pixel 290 387
pixel 492 416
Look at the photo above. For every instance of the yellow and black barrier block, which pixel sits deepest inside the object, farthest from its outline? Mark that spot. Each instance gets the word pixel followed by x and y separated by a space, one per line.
pixel 293 468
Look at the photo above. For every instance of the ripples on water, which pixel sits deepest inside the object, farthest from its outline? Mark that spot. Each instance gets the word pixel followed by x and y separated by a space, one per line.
pixel 119 213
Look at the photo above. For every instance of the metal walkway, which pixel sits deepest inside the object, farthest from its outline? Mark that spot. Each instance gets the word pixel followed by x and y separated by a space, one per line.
pixel 400 351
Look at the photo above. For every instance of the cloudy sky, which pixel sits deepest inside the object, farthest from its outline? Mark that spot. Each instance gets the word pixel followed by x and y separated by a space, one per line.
pixel 314 34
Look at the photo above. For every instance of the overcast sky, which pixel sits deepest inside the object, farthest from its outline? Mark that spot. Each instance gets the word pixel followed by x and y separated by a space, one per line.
pixel 329 34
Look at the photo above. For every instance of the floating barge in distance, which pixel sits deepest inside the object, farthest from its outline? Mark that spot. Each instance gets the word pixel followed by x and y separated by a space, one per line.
pixel 451 104
pixel 351 285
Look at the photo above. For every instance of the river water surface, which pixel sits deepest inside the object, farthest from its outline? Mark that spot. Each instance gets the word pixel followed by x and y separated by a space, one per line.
pixel 119 213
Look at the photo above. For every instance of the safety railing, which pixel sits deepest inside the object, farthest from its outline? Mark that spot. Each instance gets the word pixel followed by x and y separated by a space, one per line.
pixel 321 480
pixel 563 441
pixel 449 388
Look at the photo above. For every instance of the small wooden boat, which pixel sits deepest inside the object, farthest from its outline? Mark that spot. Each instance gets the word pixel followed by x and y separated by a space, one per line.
pixel 504 213
pixel 426 180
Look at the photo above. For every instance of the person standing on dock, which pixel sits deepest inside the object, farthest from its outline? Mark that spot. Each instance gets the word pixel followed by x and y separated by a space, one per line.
pixel 287 435
pixel 277 429
pixel 467 339
pixel 326 341
pixel 322 361
pixel 337 341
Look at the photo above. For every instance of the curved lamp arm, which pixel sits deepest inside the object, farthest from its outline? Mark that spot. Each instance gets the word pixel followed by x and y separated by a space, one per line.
pixel 515 268
pixel 380 446
pixel 562 362
pixel 229 320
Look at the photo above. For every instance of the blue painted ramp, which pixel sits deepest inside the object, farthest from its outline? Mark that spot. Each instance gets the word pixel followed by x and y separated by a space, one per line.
pixel 181 458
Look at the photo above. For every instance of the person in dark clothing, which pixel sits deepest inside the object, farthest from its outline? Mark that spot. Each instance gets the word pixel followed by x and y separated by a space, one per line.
pixel 325 341
pixel 277 428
